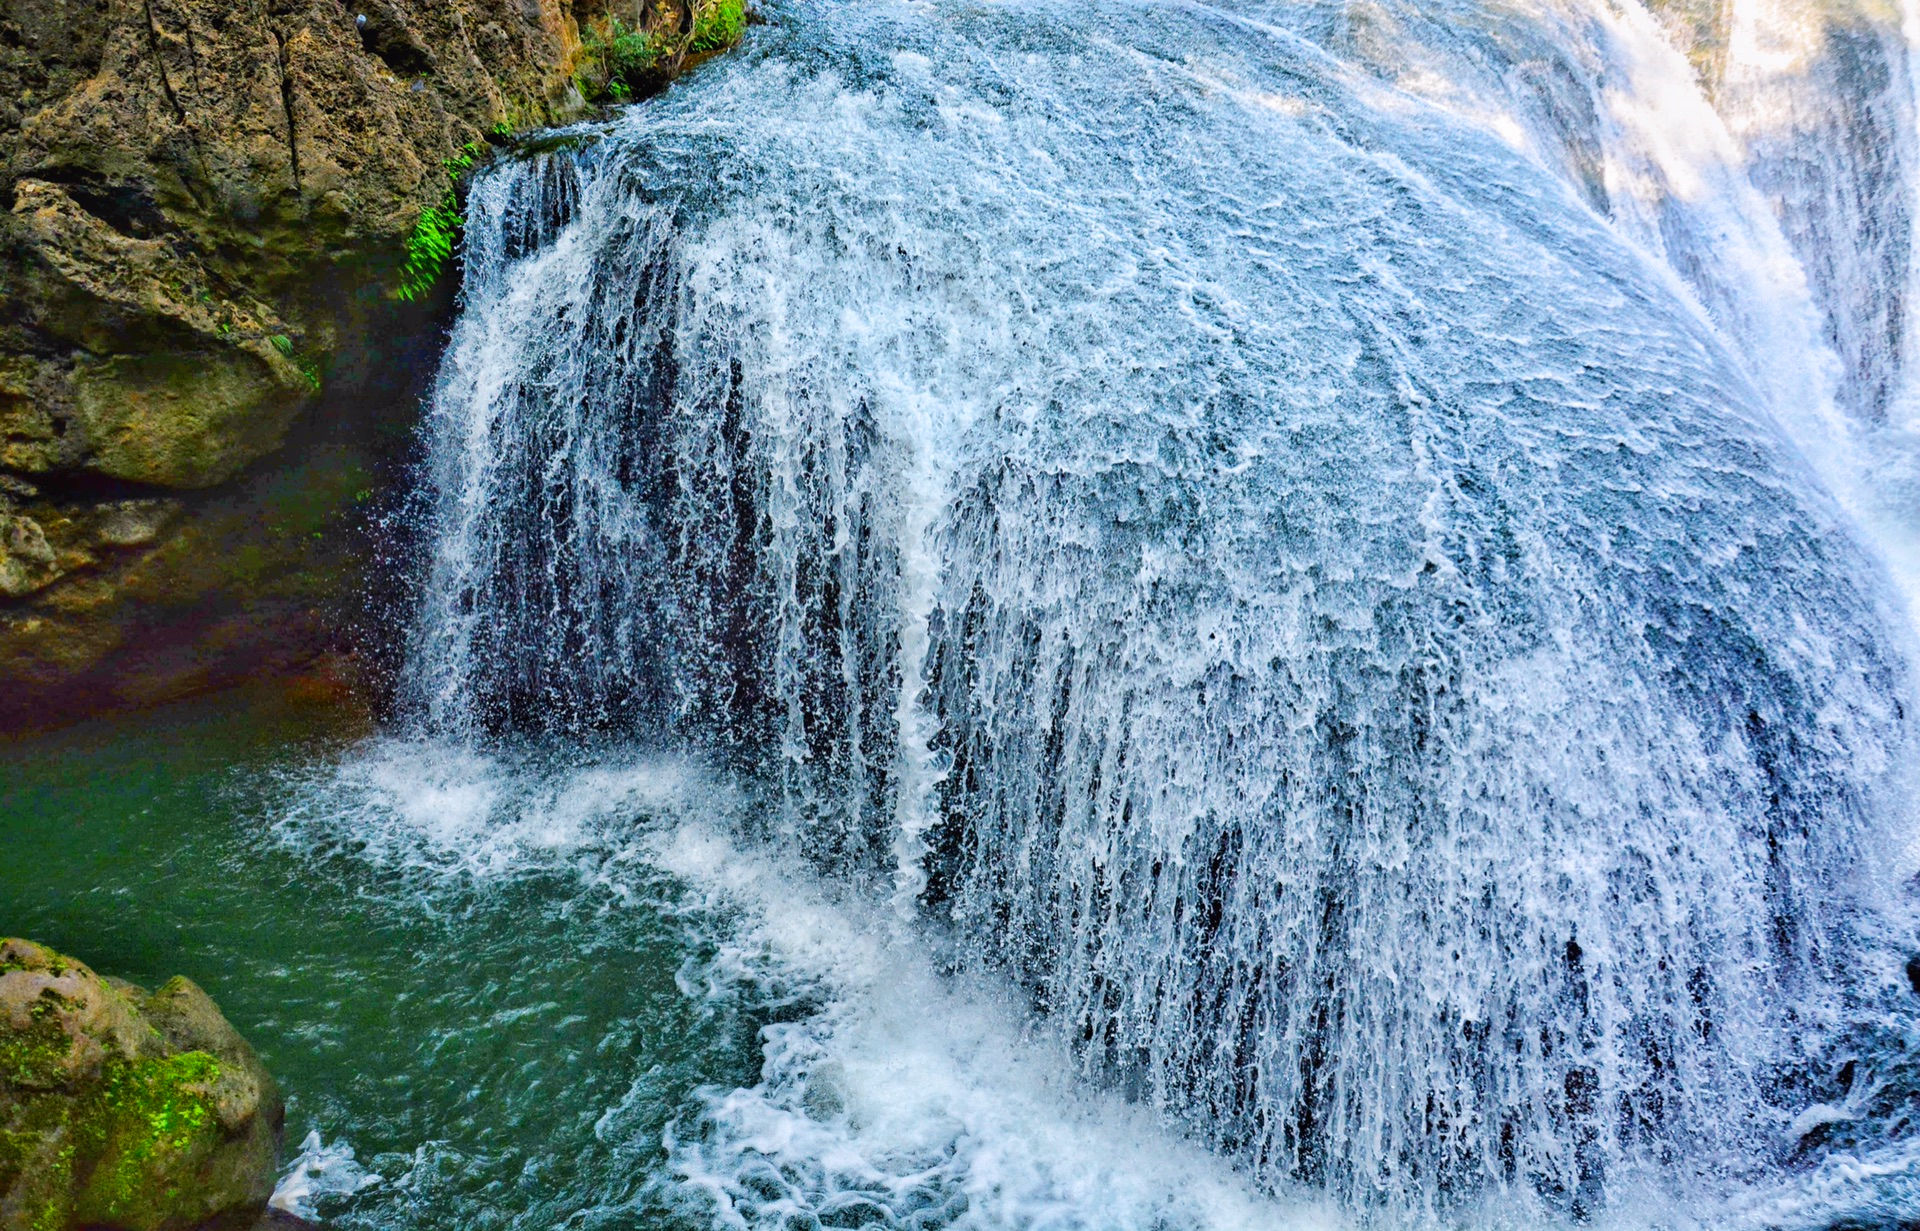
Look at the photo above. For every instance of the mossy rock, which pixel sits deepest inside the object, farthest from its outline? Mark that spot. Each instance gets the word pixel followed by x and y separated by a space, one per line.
pixel 123 1111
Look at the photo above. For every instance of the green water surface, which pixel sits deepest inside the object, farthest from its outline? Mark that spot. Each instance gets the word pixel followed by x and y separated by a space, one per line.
pixel 502 1055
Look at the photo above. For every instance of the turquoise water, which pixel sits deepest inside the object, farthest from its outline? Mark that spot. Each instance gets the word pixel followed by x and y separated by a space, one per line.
pixel 501 1051
pixel 507 990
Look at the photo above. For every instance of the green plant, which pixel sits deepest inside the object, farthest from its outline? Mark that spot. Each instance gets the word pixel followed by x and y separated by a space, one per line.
pixel 630 54
pixel 431 244
pixel 620 63
pixel 619 60
pixel 428 248
pixel 309 370
pixel 718 24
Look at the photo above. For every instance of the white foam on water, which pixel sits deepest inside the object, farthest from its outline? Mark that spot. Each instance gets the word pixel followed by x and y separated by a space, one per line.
pixel 891 1090
pixel 919 1100
pixel 318 1172
pixel 932 1098
pixel 446 809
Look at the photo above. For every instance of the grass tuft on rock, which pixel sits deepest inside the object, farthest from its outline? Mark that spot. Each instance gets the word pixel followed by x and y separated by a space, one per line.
pixel 718 25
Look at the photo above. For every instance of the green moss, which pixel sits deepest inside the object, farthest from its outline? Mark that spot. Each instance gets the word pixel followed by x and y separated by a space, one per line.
pixel 517 115
pixel 39 1180
pixel 36 1058
pixel 548 143
pixel 52 1212
pixel 153 1122
pixel 53 964
pixel 33 1059
pixel 120 1134
pixel 142 1127
pixel 19 1147
pixel 15 1147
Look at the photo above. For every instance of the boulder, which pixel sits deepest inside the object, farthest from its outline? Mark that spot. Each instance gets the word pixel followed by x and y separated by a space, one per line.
pixel 122 1110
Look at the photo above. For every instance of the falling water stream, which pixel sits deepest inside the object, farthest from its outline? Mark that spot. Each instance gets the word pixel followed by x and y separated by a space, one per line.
pixel 1193 615
pixel 1330 545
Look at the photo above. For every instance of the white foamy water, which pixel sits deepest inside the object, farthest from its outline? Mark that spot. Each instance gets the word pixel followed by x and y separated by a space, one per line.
pixel 893 1092
pixel 915 1099
pixel 924 1100
pixel 319 1171
pixel 1348 567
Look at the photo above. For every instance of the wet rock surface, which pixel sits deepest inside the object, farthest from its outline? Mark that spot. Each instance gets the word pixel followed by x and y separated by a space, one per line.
pixel 204 210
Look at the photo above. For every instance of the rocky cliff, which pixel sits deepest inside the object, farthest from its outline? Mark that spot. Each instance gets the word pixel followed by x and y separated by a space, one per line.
pixel 204 214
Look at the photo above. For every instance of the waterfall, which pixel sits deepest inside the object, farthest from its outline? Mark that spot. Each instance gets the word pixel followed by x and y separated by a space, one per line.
pixel 1822 103
pixel 1336 545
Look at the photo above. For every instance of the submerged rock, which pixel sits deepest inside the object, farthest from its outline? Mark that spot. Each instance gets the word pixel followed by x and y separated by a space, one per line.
pixel 125 1110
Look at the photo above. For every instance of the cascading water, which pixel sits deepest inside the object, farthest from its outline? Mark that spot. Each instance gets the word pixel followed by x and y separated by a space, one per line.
pixel 1318 540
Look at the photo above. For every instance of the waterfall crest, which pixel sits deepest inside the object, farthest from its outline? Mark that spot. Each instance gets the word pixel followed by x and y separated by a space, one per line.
pixel 1311 535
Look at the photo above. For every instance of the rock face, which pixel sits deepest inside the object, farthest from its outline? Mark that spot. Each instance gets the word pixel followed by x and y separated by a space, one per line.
pixel 123 1111
pixel 204 209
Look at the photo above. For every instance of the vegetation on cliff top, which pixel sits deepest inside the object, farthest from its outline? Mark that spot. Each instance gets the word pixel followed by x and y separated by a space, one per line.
pixel 618 63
